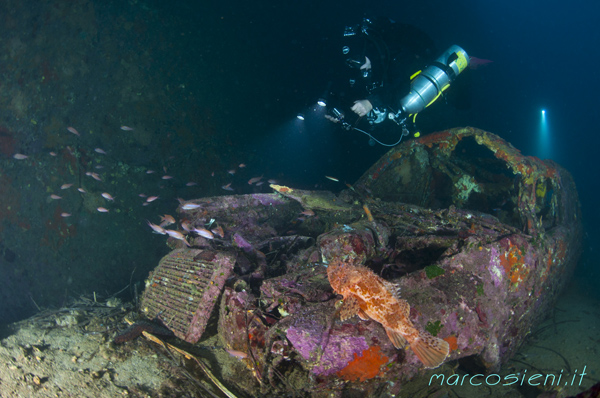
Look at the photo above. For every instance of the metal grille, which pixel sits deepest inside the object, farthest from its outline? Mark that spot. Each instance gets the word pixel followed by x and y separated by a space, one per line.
pixel 183 289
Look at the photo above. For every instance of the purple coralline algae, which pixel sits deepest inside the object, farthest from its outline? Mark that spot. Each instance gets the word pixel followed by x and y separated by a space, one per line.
pixel 506 249
pixel 495 269
pixel 337 354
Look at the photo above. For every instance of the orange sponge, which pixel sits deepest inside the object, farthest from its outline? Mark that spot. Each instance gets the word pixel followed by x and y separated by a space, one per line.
pixel 364 367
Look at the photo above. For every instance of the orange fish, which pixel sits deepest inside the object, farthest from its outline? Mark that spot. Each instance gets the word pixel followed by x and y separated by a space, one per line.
pixel 368 213
pixel 218 231
pixel 370 296
pixel 166 220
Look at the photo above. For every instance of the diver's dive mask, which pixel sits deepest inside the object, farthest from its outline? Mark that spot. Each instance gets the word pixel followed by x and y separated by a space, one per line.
pixel 355 59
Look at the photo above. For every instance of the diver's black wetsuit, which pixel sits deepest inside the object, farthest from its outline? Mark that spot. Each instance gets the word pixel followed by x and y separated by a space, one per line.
pixel 396 52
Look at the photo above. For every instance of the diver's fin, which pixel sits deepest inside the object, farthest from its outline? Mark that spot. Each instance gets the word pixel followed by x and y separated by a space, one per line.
pixel 432 351
pixel 350 307
pixel 397 339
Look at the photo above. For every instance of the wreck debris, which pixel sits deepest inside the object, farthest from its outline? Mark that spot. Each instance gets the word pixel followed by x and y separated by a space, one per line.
pixel 479 238
pixel 184 288
pixel 136 329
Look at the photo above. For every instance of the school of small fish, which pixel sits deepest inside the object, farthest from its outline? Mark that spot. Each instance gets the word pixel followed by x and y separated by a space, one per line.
pixel 209 231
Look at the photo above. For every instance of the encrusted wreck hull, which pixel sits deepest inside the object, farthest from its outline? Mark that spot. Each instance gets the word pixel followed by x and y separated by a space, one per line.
pixel 479 238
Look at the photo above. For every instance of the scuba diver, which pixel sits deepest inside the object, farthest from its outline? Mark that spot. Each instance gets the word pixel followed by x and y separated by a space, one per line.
pixel 390 76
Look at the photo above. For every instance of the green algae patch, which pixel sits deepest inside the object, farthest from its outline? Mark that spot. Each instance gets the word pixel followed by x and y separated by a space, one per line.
pixel 434 328
pixel 433 270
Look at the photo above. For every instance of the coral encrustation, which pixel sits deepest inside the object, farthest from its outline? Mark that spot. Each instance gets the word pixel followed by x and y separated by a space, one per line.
pixel 340 350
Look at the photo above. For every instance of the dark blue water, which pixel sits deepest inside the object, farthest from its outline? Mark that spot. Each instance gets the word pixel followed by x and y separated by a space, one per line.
pixel 210 86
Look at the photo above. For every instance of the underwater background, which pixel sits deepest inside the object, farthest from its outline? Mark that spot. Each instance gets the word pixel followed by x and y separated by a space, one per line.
pixel 171 99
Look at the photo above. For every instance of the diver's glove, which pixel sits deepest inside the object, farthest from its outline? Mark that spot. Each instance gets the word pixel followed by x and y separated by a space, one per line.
pixel 362 107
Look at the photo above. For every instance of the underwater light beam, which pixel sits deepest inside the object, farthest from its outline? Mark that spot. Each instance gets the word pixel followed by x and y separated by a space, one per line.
pixel 543 138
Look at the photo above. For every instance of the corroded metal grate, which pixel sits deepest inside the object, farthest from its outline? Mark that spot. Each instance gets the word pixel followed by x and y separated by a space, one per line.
pixel 183 289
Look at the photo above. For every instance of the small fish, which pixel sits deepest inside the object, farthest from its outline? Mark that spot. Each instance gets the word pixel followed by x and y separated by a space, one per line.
pixel 95 176
pixel 258 184
pixel 218 231
pixel 150 171
pixel 151 199
pixel 156 228
pixel 65 215
pixel 142 195
pixel 185 225
pixel 66 186
pixel 55 197
pixel 102 210
pixel 20 156
pixel 232 171
pixel 332 178
pixel 237 354
pixel 272 181
pixel 191 184
pixel 190 206
pixel 227 187
pixel 81 190
pixel 242 165
pixel 177 235
pixel 126 128
pixel 371 297
pixel 167 177
pixel 52 153
pixel 100 151
pixel 308 212
pixel 107 196
pixel 368 213
pixel 254 179
pixel 166 220
pixel 72 130
pixel 205 233
pixel 99 166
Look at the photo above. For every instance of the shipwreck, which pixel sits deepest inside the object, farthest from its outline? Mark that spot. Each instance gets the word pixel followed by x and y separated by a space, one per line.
pixel 478 238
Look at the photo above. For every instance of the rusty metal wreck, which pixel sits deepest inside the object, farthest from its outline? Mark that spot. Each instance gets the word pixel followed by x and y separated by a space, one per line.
pixel 479 238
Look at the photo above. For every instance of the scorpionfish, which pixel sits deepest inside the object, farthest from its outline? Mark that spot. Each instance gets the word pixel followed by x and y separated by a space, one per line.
pixel 371 297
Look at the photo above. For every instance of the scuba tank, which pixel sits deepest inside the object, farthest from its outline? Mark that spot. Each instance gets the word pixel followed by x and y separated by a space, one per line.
pixel 426 86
